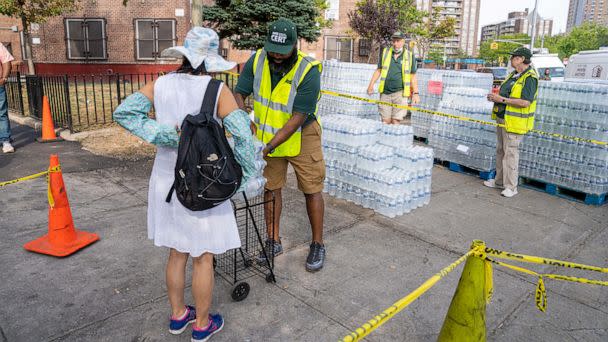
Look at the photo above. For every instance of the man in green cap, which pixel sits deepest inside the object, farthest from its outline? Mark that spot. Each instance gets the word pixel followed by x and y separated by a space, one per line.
pixel 398 82
pixel 514 107
pixel 286 86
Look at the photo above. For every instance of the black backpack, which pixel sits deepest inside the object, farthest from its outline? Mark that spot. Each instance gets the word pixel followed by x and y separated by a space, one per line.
pixel 206 173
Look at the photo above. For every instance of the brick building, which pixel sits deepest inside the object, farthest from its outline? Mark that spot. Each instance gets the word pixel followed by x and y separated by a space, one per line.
pixel 106 37
pixel 338 41
pixel 103 37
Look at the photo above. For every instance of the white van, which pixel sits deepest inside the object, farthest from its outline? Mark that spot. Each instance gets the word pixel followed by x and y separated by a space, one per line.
pixel 591 65
pixel 550 61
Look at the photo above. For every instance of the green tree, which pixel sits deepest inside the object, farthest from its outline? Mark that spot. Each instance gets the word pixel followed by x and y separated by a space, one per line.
pixel 589 36
pixel 378 20
pixel 375 21
pixel 245 23
pixel 433 30
pixel 435 55
pixel 34 11
pixel 501 55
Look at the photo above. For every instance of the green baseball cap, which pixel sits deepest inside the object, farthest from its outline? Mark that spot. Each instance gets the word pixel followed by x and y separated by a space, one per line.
pixel 521 51
pixel 282 36
pixel 398 35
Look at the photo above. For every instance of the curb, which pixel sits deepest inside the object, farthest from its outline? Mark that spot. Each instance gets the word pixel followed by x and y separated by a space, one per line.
pixel 25 121
pixel 36 124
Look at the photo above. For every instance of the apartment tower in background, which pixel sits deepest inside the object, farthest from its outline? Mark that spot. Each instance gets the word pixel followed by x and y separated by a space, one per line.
pixel 581 11
pixel 518 22
pixel 466 13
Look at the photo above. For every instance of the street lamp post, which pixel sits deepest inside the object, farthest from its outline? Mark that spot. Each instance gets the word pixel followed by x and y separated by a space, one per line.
pixel 534 15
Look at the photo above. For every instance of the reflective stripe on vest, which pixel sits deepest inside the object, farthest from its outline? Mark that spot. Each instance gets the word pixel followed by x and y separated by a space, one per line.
pixel 406 68
pixel 274 107
pixel 519 120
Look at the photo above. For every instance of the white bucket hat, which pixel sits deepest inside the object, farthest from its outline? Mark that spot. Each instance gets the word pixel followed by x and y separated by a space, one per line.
pixel 201 45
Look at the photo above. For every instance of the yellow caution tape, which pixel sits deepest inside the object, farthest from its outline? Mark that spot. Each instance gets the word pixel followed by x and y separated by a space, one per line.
pixel 401 304
pixel 543 261
pixel 37 175
pixel 455 117
pixel 541 293
pixel 461 118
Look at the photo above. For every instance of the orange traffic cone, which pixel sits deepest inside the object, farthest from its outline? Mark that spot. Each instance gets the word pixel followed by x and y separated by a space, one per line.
pixel 48 128
pixel 62 239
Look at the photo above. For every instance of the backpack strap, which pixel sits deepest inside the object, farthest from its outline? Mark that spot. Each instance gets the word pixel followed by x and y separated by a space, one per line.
pixel 168 199
pixel 208 106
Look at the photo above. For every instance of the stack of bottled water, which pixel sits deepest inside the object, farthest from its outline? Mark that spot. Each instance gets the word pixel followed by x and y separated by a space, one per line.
pixel 347 78
pixel 432 85
pixel 397 135
pixel 381 171
pixel 468 143
pixel 255 184
pixel 569 109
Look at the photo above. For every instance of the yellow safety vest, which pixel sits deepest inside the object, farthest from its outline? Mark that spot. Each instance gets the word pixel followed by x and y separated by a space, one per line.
pixel 406 68
pixel 273 107
pixel 519 120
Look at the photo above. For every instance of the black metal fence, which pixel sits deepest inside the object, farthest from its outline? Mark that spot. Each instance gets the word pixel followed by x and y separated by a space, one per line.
pixel 15 93
pixel 79 102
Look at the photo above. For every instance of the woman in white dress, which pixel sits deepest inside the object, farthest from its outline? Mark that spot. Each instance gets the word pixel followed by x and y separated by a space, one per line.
pixel 196 234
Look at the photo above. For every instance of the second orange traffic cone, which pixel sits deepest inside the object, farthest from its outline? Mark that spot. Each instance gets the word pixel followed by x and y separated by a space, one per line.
pixel 48 128
pixel 62 239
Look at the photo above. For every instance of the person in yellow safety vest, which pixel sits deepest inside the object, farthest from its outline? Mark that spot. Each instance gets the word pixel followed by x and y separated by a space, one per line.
pixel 514 107
pixel 286 86
pixel 397 72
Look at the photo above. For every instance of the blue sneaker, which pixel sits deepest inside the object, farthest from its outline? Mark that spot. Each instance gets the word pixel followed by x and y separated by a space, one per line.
pixel 177 326
pixel 216 323
pixel 272 249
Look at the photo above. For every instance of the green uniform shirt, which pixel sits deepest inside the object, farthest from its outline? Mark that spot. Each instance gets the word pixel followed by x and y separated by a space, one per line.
pixel 527 93
pixel 394 78
pixel 307 94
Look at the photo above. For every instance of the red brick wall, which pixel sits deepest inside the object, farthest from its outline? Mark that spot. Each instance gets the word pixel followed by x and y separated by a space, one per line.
pixel 119 29
pixel 8 36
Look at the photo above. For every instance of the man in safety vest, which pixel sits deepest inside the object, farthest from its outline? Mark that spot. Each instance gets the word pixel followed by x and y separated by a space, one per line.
pixel 514 107
pixel 398 82
pixel 286 86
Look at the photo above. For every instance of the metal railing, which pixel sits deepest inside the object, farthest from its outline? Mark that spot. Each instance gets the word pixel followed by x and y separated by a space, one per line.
pixel 79 102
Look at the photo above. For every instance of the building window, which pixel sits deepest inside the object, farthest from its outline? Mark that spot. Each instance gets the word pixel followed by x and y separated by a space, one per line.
pixel 365 45
pixel 152 36
pixel 86 38
pixel 339 48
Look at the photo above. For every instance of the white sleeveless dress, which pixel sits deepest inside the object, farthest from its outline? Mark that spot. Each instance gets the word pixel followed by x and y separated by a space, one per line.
pixel 171 224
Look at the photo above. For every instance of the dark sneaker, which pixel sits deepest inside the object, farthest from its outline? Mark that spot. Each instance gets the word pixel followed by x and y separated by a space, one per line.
pixel 177 326
pixel 316 257
pixel 271 246
pixel 216 323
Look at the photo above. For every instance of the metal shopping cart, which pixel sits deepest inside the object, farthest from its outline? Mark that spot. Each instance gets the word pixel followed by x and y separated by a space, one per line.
pixel 237 265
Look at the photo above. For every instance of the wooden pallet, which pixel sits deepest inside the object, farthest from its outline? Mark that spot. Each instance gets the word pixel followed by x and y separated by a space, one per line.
pixel 485 175
pixel 564 192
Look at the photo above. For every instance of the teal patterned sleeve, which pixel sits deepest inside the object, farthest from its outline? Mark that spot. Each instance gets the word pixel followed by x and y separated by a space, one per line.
pixel 132 114
pixel 238 124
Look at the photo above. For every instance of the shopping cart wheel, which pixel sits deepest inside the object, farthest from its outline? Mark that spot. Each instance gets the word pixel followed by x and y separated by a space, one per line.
pixel 240 291
pixel 270 278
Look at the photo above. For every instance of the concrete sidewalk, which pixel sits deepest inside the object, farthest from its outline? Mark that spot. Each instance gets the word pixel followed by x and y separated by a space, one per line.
pixel 114 290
